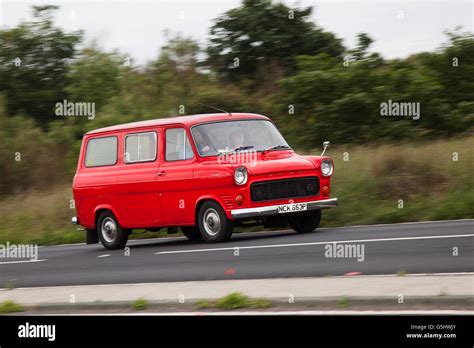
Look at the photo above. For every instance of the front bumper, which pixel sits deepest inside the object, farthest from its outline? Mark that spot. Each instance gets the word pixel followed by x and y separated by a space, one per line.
pixel 273 209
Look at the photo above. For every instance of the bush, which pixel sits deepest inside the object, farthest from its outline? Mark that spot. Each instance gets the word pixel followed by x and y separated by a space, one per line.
pixel 31 158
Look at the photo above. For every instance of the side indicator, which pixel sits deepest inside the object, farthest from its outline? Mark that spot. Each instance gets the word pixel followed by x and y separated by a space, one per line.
pixel 239 199
pixel 325 190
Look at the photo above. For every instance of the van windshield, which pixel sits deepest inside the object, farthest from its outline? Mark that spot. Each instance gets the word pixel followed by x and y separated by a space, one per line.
pixel 212 139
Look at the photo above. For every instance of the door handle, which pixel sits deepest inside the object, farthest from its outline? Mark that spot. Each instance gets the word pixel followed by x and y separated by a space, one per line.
pixel 161 173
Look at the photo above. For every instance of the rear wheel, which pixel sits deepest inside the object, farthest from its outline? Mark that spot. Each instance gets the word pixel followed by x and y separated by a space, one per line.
pixel 111 234
pixel 306 222
pixel 213 223
pixel 191 232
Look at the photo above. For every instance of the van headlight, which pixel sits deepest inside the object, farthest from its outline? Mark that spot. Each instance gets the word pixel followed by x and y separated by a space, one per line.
pixel 240 175
pixel 327 167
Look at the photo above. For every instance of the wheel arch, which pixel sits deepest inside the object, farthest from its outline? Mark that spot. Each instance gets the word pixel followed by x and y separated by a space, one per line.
pixel 101 208
pixel 204 199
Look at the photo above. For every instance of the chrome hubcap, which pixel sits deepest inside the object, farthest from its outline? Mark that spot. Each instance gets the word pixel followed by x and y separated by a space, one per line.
pixel 212 222
pixel 109 230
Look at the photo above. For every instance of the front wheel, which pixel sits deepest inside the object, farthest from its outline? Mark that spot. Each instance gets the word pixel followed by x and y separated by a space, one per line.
pixel 111 234
pixel 306 222
pixel 213 223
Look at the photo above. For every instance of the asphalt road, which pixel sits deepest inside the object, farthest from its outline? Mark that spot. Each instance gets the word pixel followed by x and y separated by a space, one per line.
pixel 387 249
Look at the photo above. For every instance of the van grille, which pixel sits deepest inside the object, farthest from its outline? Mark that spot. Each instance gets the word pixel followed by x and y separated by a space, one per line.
pixel 281 189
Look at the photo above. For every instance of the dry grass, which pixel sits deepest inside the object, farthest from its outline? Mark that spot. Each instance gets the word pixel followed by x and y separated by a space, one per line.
pixel 400 175
pixel 39 217
pixel 424 175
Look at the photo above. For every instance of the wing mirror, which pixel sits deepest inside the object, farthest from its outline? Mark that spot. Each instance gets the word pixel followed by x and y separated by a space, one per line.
pixel 325 146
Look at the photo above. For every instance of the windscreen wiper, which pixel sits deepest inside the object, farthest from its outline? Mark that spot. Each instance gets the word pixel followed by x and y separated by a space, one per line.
pixel 276 147
pixel 240 148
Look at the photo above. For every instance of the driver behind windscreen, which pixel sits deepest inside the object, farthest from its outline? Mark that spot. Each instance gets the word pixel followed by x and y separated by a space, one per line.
pixel 201 143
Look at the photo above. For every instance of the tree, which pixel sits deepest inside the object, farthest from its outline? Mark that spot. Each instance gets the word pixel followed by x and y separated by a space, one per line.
pixel 176 69
pixel 34 58
pixel 344 100
pixel 95 76
pixel 454 66
pixel 178 80
pixel 363 43
pixel 261 33
pixel 331 100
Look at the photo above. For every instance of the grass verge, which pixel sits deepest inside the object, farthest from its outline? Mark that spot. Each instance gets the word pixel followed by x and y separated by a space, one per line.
pixel 343 303
pixel 9 306
pixel 235 300
pixel 139 304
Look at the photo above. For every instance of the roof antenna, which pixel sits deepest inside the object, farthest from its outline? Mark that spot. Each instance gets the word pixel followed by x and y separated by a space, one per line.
pixel 212 107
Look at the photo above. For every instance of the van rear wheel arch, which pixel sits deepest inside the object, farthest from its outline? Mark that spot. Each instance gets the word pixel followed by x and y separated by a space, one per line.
pixel 96 217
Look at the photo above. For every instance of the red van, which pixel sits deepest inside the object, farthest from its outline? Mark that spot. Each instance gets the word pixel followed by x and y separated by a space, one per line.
pixel 203 173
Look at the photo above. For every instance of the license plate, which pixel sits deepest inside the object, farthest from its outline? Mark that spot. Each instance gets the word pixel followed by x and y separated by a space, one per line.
pixel 292 208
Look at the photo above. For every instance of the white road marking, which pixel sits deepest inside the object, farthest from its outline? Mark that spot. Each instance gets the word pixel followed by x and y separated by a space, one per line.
pixel 313 243
pixel 106 255
pixel 22 261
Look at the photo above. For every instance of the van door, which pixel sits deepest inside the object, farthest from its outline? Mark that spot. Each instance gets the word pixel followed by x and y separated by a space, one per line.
pixel 176 177
pixel 138 198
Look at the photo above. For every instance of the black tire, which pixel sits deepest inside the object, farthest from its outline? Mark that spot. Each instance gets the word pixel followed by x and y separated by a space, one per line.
pixel 213 223
pixel 111 240
pixel 306 222
pixel 191 232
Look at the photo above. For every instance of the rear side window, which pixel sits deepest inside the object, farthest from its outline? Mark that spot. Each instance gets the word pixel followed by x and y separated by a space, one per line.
pixel 101 152
pixel 140 147
pixel 178 146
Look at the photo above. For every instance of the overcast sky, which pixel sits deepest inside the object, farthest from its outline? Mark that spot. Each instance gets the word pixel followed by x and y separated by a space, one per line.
pixel 136 28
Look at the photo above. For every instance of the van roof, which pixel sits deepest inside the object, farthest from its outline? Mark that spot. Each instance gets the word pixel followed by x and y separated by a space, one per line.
pixel 190 120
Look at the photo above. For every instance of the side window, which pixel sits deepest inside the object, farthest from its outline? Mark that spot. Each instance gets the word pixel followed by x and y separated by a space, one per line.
pixel 101 152
pixel 140 147
pixel 178 146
